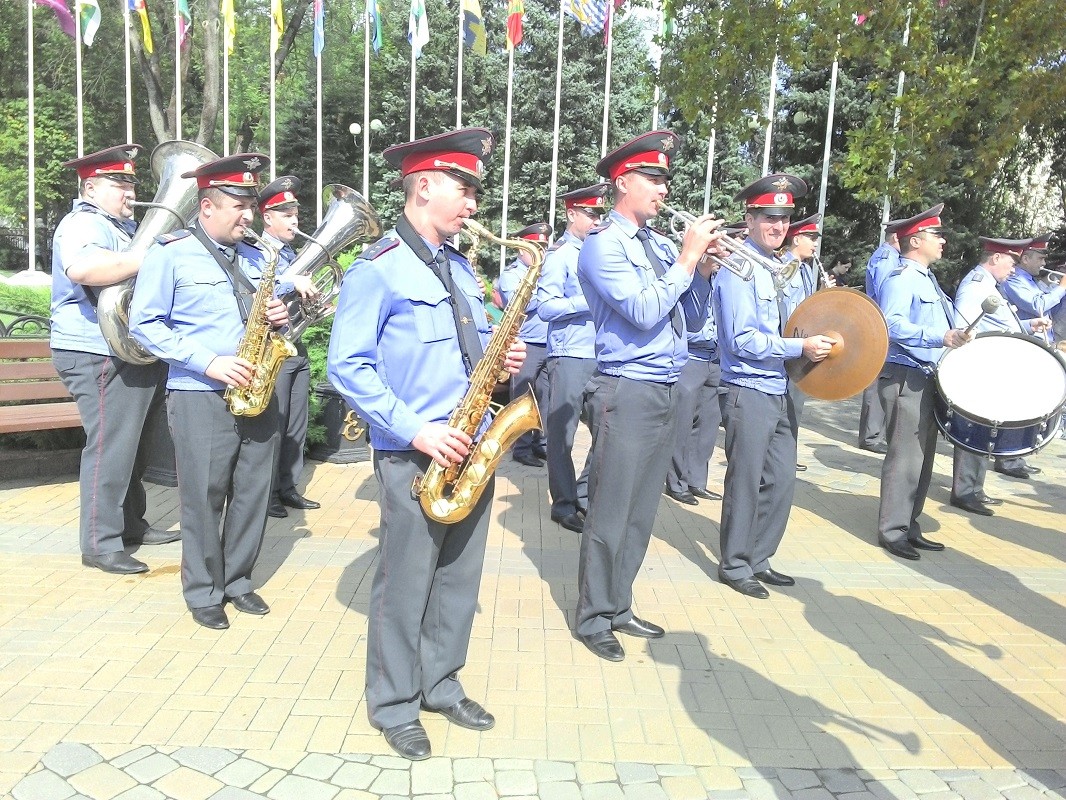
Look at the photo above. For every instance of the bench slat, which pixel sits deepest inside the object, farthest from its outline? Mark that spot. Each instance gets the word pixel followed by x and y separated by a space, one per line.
pixel 28 370
pixel 40 417
pixel 36 390
pixel 25 348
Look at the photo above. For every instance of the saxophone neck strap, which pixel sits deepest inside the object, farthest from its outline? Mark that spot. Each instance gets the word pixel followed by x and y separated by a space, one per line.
pixel 237 279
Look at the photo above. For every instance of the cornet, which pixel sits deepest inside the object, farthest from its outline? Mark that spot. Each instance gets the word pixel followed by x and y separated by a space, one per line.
pixel 745 259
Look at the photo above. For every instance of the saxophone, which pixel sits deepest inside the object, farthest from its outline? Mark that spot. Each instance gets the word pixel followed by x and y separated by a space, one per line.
pixel 261 344
pixel 449 494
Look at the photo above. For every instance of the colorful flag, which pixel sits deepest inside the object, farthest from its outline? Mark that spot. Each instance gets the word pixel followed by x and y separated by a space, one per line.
pixel 184 23
pixel 89 15
pixel 418 27
pixel 229 25
pixel 474 27
pixel 63 15
pixel 141 7
pixel 320 28
pixel 374 21
pixel 611 8
pixel 515 12
pixel 277 24
pixel 590 14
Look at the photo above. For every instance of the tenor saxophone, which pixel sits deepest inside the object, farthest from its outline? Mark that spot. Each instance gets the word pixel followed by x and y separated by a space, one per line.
pixel 449 494
pixel 262 345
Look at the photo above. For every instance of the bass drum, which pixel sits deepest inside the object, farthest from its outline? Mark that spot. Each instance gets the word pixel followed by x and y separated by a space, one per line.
pixel 1001 394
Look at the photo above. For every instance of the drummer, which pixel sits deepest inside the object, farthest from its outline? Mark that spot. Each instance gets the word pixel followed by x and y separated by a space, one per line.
pixel 998 261
pixel 919 317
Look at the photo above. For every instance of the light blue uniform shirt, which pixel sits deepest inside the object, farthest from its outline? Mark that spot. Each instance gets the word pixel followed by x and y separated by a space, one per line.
pixel 184 311
pixel 1028 297
pixel 882 261
pixel 286 253
pixel 800 287
pixel 534 330
pixel 561 303
pixel 1058 315
pixel 751 348
pixel 82 233
pixel 394 352
pixel 918 315
pixel 631 306
pixel 974 289
pixel 703 344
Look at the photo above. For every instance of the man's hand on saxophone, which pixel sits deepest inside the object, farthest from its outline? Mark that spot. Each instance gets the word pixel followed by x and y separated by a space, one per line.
pixel 277 313
pixel 444 444
pixel 515 357
pixel 231 370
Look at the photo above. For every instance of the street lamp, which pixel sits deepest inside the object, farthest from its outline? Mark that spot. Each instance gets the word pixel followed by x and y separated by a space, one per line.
pixel 355 129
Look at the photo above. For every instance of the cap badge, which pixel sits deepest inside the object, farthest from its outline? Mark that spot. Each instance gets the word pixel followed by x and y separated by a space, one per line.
pixel 781 184
pixel 780 199
pixel 289 196
pixel 253 163
pixel 285 183
pixel 667 143
pixel 486 146
pixel 128 165
pixel 479 169
pixel 131 153
pixel 662 158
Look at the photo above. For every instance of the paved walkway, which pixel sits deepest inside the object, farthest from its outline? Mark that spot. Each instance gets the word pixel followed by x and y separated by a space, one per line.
pixel 872 677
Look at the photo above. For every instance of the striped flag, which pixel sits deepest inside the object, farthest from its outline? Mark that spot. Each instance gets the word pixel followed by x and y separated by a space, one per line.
pixel 590 14
pixel 89 15
pixel 229 25
pixel 418 27
pixel 474 27
pixel 374 20
pixel 320 28
pixel 184 23
pixel 277 24
pixel 141 7
pixel 63 15
pixel 515 12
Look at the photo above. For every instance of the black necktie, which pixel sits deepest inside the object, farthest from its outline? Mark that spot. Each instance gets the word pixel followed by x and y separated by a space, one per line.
pixel 657 265
pixel 949 309
pixel 469 338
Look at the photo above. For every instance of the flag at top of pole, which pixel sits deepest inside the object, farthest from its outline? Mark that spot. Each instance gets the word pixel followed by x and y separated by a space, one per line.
pixel 141 7
pixel 63 15
pixel 184 23
pixel 515 11
pixel 590 14
pixel 375 24
pixel 89 14
pixel 229 24
pixel 277 24
pixel 474 27
pixel 418 27
pixel 320 29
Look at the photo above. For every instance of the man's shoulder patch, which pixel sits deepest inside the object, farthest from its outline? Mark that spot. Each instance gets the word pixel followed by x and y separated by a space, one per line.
pixel 380 247
pixel 600 228
pixel 173 236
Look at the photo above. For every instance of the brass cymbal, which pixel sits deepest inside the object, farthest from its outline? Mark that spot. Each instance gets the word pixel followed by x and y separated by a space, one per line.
pixel 858 326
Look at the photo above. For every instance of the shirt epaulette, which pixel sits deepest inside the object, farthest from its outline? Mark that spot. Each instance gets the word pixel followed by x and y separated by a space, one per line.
pixel 173 236
pixel 379 247
pixel 555 246
pixel 897 271
pixel 659 231
pixel 599 228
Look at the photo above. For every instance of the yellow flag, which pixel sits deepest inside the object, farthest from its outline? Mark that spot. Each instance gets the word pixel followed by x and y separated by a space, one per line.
pixel 229 24
pixel 277 24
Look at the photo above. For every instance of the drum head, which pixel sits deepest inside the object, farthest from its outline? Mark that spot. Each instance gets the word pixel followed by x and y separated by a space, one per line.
pixel 1003 378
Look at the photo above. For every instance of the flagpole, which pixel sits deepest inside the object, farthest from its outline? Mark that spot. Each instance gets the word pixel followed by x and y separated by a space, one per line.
pixel 459 73
pixel 414 78
pixel 77 70
pixel 177 74
pixel 710 159
pixel 658 66
pixel 828 147
pixel 31 196
pixel 225 97
pixel 318 140
pixel 507 153
pixel 607 80
pixel 555 135
pixel 129 77
pixel 366 105
pixel 273 105
pixel 886 205
pixel 770 103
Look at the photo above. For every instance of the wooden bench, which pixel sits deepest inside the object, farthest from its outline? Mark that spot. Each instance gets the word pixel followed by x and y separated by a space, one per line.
pixel 28 384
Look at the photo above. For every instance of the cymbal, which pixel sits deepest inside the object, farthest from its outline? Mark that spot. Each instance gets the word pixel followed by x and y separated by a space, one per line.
pixel 857 325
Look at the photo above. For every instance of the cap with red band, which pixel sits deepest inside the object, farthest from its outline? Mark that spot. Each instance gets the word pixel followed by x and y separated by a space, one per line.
pixel 807 226
pixel 927 220
pixel 460 153
pixel 773 193
pixel 114 162
pixel 236 175
pixel 1012 247
pixel 649 154
pixel 537 232
pixel 1039 243
pixel 280 193
pixel 593 197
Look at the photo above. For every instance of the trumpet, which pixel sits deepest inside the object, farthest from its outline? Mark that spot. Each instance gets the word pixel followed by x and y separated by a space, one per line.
pixel 1052 276
pixel 744 258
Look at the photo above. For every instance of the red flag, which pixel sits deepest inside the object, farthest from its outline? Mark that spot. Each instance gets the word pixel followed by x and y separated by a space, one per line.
pixel 515 12
pixel 63 15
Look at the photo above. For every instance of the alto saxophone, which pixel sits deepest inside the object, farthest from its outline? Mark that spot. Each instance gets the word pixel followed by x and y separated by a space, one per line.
pixel 261 344
pixel 449 494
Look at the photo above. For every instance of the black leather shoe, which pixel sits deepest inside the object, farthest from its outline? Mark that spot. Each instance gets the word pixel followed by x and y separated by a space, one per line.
pixel 250 603
pixel 989 501
pixel 640 628
pixel 540 451
pixel 409 740
pixel 880 448
pixel 922 543
pixel 775 578
pixel 604 644
pixel 1031 470
pixel 902 549
pixel 572 522
pixel 801 467
pixel 971 504
pixel 117 563
pixel 705 494
pixel 156 536
pixel 294 499
pixel 466 713
pixel 276 509
pixel 210 617
pixel 528 460
pixel 1013 472
pixel 746 586
pixel 685 497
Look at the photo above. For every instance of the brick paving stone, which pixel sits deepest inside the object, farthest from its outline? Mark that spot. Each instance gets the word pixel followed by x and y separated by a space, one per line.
pixel 318 765
pixel 1045 778
pixel 631 772
pixel 472 769
pixel 793 779
pixel 945 795
pixel 67 758
pixel 431 796
pixel 559 790
pixel 956 774
pixel 754 772
pixel 762 789
pixel 1002 778
pixel 683 787
pixel 392 781
pixel 674 769
pixel 42 785
pixel 296 787
pixel 839 781
pixel 554 771
pixel 1023 793
pixel 151 769
pixel 474 791
pixel 893 789
pixel 187 784
pixel 141 793
pixel 207 760
pixel 355 776
pixel 975 789
pixel 506 764
pixel 241 773
pixel 235 793
pixel 590 772
pixel 644 791
pixel 923 780
pixel 602 791
pixel 512 782
pixel 857 796
pixel 265 782
pixel 390 762
pixel 727 794
pixel 432 776
pixel 130 756
pixel 355 794
pixel 814 793
pixel 102 781
pixel 722 778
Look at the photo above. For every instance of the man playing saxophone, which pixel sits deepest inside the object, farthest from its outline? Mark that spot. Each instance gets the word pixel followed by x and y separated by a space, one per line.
pixel 410 328
pixel 191 309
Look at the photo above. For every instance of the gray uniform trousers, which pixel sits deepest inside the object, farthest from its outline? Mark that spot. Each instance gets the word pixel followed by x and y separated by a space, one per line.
pixel 114 399
pixel 534 372
pixel 908 395
pixel 871 417
pixel 423 597
pixel 223 464
pixel 633 430
pixel 968 478
pixel 760 479
pixel 699 415
pixel 292 388
pixel 567 378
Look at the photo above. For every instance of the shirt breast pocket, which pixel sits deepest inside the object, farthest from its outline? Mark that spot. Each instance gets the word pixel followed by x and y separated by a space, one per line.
pixel 210 297
pixel 432 314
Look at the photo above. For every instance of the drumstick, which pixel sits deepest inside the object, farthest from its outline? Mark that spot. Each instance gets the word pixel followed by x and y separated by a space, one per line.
pixel 988 306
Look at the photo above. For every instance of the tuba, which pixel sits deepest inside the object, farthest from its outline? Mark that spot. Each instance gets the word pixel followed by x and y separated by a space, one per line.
pixel 348 219
pixel 173 205
pixel 449 494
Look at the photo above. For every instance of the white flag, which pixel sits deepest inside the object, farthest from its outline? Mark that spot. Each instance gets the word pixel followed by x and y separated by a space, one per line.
pixel 418 27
